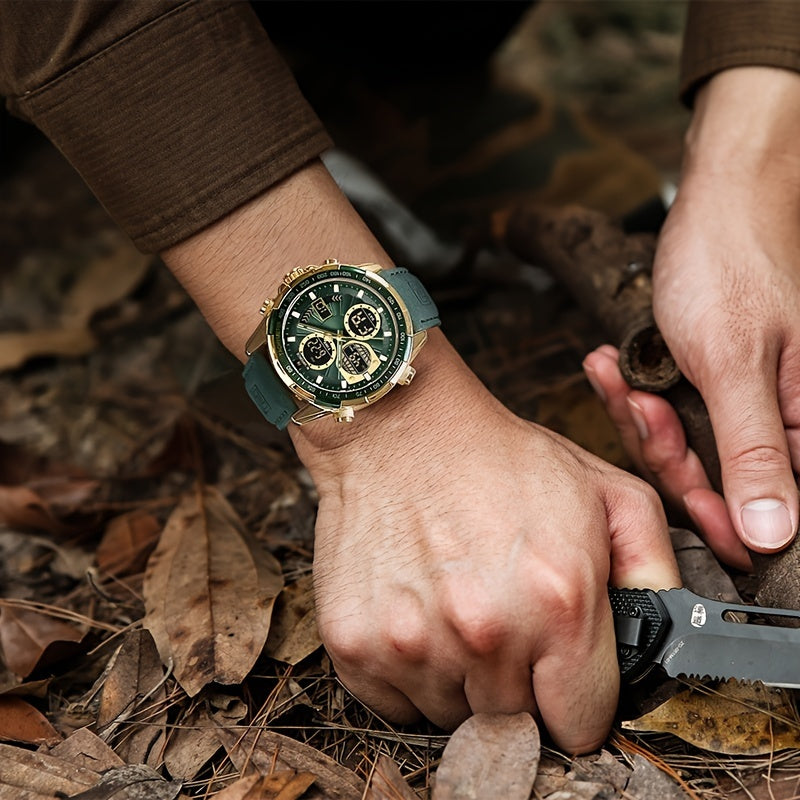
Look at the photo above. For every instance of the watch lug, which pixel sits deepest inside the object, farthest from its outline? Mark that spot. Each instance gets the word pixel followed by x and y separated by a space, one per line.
pixel 258 339
pixel 308 413
pixel 417 340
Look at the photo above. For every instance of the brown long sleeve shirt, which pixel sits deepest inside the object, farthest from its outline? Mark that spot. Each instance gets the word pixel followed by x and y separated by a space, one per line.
pixel 175 113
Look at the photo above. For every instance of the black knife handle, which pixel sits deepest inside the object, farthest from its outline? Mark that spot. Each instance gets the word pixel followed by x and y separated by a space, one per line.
pixel 641 621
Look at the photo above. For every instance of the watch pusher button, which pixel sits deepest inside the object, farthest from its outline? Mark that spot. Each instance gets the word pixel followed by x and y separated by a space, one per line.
pixel 407 375
pixel 344 414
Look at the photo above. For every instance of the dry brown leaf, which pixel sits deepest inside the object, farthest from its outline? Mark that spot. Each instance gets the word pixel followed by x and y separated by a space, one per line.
pixel 29 639
pixel 38 505
pixel 490 755
pixel 85 749
pixel 127 542
pixel 134 689
pixel 387 782
pixel 247 788
pixel 267 751
pixel 209 589
pixel 63 494
pixel 733 718
pixel 277 786
pixel 105 281
pixel 21 722
pixel 195 740
pixel 17 348
pixel 25 775
pixel 648 782
pixel 131 782
pixel 21 508
pixel 293 634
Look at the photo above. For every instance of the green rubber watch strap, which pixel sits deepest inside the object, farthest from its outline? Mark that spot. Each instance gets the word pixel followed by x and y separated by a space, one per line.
pixel 421 307
pixel 267 391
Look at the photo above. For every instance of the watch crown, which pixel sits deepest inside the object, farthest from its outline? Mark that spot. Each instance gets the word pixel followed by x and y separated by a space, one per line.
pixel 266 307
pixel 407 375
pixel 344 414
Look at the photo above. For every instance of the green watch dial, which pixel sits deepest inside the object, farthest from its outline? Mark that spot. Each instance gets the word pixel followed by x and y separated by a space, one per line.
pixel 340 335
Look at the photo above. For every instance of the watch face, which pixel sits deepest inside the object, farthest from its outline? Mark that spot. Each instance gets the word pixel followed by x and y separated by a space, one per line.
pixel 339 335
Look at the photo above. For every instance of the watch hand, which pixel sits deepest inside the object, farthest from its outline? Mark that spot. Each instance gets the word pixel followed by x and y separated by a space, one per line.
pixel 315 329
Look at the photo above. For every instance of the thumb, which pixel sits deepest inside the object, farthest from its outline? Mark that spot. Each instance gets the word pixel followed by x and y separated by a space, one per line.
pixel 641 549
pixel 757 478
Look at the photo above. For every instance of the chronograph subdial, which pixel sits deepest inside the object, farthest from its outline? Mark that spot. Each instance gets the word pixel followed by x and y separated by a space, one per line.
pixel 362 321
pixel 318 350
pixel 357 361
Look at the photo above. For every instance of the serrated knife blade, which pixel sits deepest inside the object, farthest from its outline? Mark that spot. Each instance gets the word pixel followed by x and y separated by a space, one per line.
pixel 698 637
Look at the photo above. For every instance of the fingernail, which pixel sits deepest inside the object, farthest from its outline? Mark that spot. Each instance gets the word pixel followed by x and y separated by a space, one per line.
pixel 767 523
pixel 638 419
pixel 591 376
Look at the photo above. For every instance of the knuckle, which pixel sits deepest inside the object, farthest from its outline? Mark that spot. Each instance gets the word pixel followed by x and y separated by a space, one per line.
pixel 406 632
pixel 642 498
pixel 565 599
pixel 347 640
pixel 478 623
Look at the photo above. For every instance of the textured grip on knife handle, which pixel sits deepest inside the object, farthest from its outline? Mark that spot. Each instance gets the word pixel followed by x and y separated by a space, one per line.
pixel 641 621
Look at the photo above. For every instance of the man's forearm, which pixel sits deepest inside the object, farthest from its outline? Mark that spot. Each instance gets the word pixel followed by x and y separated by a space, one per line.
pixel 230 267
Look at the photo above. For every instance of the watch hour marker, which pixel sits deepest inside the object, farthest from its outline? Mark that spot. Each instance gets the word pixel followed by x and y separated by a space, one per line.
pixel 312 295
pixel 319 379
pixel 296 314
pixel 367 376
pixel 387 334
pixel 335 287
pixel 382 357
pixel 291 338
pixel 344 384
pixel 360 293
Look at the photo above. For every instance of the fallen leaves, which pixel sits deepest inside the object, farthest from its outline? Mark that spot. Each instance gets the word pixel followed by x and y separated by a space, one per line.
pixel 30 638
pixel 40 505
pixel 21 722
pixel 127 542
pixel 387 782
pixel 135 685
pixel 267 751
pixel 209 589
pixel 490 755
pixel 732 718
pixel 293 634
pixel 103 282
pixel 40 776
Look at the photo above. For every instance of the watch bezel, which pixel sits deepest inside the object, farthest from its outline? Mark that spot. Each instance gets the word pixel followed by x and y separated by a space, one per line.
pixel 303 278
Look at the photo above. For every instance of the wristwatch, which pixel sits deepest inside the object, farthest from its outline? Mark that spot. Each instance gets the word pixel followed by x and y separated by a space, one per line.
pixel 337 337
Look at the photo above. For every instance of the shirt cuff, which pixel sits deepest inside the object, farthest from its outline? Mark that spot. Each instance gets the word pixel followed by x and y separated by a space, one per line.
pixel 179 122
pixel 721 35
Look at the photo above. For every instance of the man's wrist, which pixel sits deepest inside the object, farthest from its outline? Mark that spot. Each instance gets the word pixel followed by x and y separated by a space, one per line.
pixel 443 389
pixel 745 122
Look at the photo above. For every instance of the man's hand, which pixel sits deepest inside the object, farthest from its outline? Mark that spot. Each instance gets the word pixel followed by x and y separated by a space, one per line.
pixel 727 299
pixel 463 556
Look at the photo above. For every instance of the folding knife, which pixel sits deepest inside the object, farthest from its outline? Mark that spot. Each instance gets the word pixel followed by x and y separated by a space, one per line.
pixel 701 638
